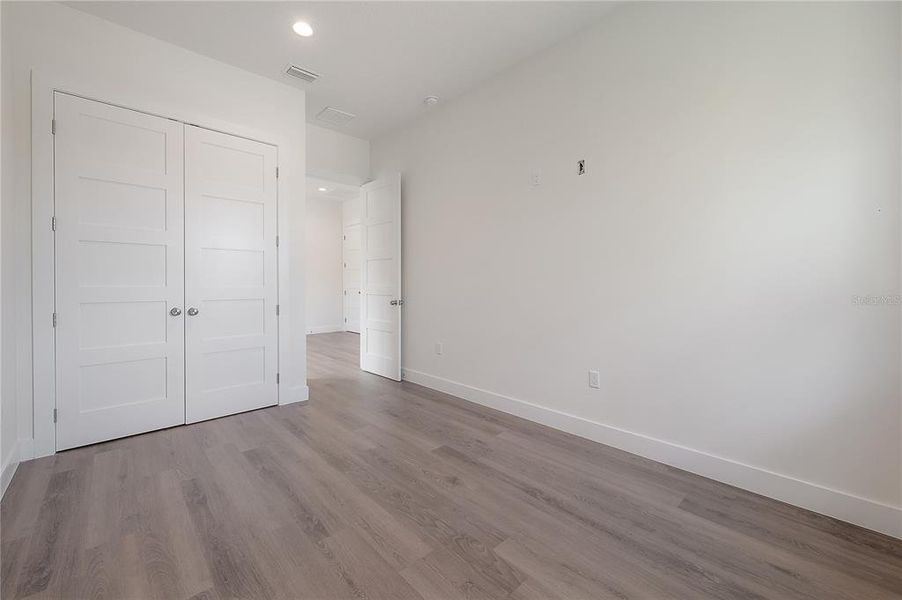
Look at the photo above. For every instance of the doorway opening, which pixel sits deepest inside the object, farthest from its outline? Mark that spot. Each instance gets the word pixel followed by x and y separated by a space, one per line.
pixel 353 292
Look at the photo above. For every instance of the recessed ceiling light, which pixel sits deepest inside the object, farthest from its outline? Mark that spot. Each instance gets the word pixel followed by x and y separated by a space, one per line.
pixel 322 189
pixel 303 29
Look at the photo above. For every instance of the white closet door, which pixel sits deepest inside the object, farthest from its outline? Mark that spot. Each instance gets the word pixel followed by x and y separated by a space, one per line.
pixel 380 243
pixel 351 264
pixel 230 261
pixel 119 272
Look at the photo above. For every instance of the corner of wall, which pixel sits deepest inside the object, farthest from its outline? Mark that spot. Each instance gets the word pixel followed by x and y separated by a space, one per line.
pixel 9 469
pixel 295 395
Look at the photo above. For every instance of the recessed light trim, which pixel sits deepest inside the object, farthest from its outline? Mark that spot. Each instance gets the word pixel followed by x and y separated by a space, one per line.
pixel 303 28
pixel 322 189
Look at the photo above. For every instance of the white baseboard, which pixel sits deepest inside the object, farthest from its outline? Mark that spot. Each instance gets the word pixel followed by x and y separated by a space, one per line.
pixel 293 395
pixel 325 329
pixel 846 507
pixel 9 469
pixel 26 449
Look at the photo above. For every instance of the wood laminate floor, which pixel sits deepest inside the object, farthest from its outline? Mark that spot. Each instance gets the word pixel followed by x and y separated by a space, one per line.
pixel 391 491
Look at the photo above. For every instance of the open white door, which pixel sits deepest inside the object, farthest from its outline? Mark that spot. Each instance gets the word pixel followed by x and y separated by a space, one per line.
pixel 231 339
pixel 119 281
pixel 380 277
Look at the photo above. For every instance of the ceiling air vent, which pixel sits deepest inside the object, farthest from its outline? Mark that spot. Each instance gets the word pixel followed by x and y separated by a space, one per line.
pixel 308 76
pixel 333 116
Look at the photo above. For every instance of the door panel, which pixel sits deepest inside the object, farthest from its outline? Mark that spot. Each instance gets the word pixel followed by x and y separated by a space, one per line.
pixel 351 277
pixel 119 271
pixel 230 245
pixel 380 242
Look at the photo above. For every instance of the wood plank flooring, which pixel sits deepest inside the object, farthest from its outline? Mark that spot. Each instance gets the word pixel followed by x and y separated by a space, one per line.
pixel 392 491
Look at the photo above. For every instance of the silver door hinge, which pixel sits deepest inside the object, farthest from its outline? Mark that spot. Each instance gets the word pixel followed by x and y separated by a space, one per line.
pixel 54 319
pixel 277 310
pixel 277 241
pixel 277 379
pixel 54 415
pixel 52 126
pixel 53 223
pixel 277 172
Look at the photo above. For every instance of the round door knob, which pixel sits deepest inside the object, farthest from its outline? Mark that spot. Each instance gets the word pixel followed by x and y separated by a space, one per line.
pixel 192 311
pixel 175 311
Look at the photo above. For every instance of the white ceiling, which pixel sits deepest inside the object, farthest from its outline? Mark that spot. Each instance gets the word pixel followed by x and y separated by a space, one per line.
pixel 377 59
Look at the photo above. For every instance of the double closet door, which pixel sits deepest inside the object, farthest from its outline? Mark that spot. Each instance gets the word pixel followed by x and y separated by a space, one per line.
pixel 166 272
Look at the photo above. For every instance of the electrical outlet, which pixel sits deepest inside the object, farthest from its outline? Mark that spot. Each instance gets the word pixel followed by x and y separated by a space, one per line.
pixel 439 348
pixel 594 379
pixel 581 167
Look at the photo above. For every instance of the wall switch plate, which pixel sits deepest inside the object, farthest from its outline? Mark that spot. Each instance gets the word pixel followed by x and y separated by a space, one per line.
pixel 439 348
pixel 594 379
pixel 581 167
pixel 535 179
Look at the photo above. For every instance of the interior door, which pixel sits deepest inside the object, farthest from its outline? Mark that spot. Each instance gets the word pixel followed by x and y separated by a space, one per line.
pixel 119 272
pixel 380 277
pixel 230 261
pixel 351 264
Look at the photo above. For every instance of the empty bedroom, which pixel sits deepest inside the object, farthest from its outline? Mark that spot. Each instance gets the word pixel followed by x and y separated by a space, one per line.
pixel 460 300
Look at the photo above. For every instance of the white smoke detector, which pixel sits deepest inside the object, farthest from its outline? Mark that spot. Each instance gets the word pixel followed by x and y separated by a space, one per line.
pixel 430 100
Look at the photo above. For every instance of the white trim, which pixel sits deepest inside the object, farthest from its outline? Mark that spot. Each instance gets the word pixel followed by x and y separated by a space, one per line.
pixel 42 268
pixel 9 469
pixel 338 179
pixel 847 507
pixel 299 393
pixel 325 329
pixel 43 86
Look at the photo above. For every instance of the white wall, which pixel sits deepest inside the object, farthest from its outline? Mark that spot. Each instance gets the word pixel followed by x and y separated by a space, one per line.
pixel 323 252
pixel 337 156
pixel 8 407
pixel 743 185
pixel 64 44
